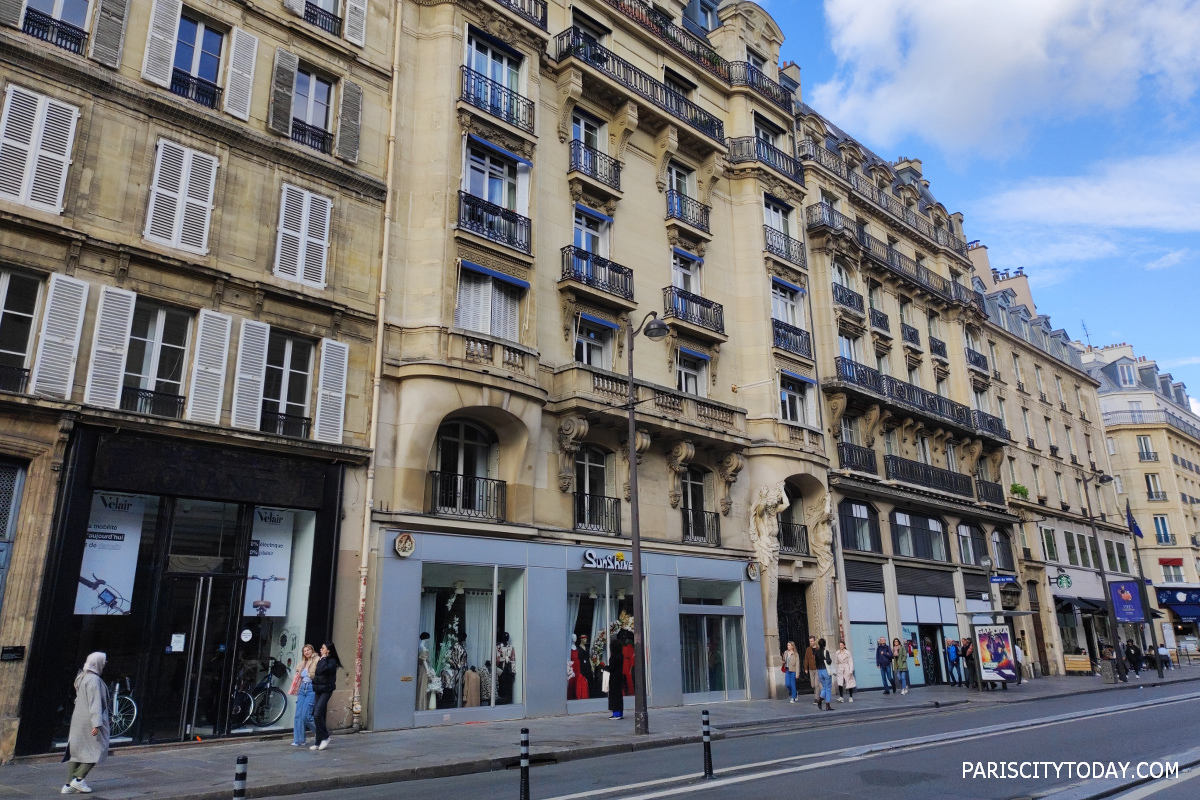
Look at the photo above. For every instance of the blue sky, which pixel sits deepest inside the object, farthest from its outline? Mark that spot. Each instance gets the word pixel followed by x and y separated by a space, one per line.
pixel 1066 131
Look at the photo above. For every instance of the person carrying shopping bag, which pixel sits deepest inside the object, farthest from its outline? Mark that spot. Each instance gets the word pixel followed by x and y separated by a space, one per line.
pixel 844 669
pixel 791 665
pixel 87 743
pixel 302 690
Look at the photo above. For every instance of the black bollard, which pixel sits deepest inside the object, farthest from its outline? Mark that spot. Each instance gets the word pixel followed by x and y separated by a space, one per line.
pixel 524 763
pixel 708 770
pixel 239 778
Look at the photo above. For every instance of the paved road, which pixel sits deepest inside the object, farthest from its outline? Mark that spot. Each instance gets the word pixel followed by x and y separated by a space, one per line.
pixel 840 762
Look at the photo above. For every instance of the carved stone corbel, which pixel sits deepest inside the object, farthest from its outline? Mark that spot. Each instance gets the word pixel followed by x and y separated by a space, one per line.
pixel 869 420
pixel 570 308
pixel 727 469
pixel 971 450
pixel 837 407
pixel 622 127
pixel 995 459
pixel 666 144
pixel 570 431
pixel 681 455
pixel 714 361
pixel 217 293
pixel 711 171
pixel 640 446
pixel 259 298
pixel 73 253
pixel 122 266
pixel 570 89
pixel 938 439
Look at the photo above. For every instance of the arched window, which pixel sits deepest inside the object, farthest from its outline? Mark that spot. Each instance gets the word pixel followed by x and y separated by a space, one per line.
pixel 859 523
pixel 594 509
pixel 700 524
pixel 463 481
pixel 1002 547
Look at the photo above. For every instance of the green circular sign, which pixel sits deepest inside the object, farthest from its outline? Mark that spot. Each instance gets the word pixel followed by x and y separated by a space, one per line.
pixel 1063 581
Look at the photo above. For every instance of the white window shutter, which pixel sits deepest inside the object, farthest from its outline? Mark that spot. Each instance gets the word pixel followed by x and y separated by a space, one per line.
pixel 356 22
pixel 316 238
pixel 197 202
pixel 331 391
pixel 506 302
pixel 523 178
pixel 471 312
pixel 53 155
pixel 110 343
pixel 18 128
pixel 108 38
pixel 248 375
pixel 160 42
pixel 239 77
pixel 289 244
pixel 208 367
pixel 58 343
pixel 294 6
pixel 165 190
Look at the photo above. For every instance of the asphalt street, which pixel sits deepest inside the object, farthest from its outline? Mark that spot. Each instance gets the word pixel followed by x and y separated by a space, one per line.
pixel 872 759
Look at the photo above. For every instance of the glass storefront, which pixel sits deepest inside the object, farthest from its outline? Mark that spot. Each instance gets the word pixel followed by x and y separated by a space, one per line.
pixel 712 647
pixel 599 611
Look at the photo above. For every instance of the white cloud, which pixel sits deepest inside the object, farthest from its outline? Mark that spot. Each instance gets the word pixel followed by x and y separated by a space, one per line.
pixel 1175 363
pixel 973 75
pixel 1195 405
pixel 1169 260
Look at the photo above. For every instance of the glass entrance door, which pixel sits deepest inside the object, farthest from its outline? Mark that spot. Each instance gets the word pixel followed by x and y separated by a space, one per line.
pixel 713 657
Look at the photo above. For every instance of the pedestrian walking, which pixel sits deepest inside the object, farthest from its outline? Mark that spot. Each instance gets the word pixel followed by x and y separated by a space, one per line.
pixel 1133 656
pixel 1165 654
pixel 810 665
pixel 324 682
pixel 900 665
pixel 87 743
pixel 953 672
pixel 1019 655
pixel 1117 656
pixel 843 665
pixel 791 665
pixel 302 690
pixel 824 662
pixel 883 660
pixel 616 679
pixel 967 653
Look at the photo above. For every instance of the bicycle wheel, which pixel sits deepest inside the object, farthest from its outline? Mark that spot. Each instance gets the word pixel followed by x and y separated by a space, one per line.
pixel 269 706
pixel 241 706
pixel 124 713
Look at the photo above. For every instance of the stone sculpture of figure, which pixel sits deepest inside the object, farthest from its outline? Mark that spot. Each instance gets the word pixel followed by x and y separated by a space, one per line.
pixel 820 539
pixel 764 525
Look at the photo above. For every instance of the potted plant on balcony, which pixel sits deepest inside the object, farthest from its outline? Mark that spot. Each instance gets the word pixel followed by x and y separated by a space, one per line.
pixel 1019 491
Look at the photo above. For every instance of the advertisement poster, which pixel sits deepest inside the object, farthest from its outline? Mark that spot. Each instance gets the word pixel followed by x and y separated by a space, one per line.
pixel 994 644
pixel 110 554
pixel 270 563
pixel 1127 601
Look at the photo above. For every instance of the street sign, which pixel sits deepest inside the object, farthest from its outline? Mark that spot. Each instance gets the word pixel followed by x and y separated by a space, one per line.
pixel 1004 579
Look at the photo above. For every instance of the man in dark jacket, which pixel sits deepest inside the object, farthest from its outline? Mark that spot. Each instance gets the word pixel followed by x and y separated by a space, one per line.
pixel 1133 657
pixel 968 656
pixel 810 665
pixel 883 660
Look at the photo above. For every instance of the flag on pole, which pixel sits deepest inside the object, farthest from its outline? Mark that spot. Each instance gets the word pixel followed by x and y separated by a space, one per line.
pixel 1133 526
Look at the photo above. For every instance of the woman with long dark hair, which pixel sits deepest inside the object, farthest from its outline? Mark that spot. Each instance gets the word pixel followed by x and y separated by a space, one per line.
pixel 324 681
pixel 616 678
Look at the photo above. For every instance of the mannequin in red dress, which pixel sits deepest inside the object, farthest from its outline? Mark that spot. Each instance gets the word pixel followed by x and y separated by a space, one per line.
pixel 578 687
pixel 627 651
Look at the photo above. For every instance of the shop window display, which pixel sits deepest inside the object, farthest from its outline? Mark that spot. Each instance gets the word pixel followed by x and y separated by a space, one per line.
pixel 599 609
pixel 713 656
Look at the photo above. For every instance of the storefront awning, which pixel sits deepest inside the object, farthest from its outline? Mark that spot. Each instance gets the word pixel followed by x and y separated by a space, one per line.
pixel 1188 612
pixel 1084 605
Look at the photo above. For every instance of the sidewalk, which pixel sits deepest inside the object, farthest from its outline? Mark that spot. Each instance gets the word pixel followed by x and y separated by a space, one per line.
pixel 204 771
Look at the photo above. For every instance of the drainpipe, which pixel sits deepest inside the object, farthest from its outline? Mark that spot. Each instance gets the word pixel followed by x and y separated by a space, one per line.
pixel 376 377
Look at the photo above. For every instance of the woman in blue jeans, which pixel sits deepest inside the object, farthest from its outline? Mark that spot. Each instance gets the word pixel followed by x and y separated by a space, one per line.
pixel 305 698
pixel 791 665
pixel 824 661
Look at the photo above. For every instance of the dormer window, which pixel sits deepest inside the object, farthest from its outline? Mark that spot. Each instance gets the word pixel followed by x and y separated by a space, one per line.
pixel 1126 374
pixel 757 61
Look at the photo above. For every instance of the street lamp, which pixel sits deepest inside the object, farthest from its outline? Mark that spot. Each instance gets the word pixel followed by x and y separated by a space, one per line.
pixel 655 330
pixel 1103 480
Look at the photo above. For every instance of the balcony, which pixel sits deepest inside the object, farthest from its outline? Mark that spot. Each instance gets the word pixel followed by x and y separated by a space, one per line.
pixel 325 20
pixel 793 538
pixel 687 210
pixel 751 148
pixel 467 496
pixel 158 404
pixel 976 360
pixel 597 513
pixel 879 320
pixel 495 98
pixel 1157 497
pixel 1054 451
pixel 823 215
pixel 55 31
pixel 896 262
pixel 910 335
pixel 780 244
pixel 792 339
pixel 13 379
pixel 1159 417
pixel 743 73
pixel 826 158
pixel 847 297
pixel 493 222
pixel 989 492
pixel 312 136
pixel 284 424
pixel 573 43
pixel 1147 455
pixel 857 458
pixel 493 352
pixel 201 91
pixel 597 272
pixel 892 205
pixel 937 347
pixel 687 43
pixel 1166 539
pixel 930 477
pixel 598 166
pixel 701 527
pixel 969 296
pixel 982 421
pixel 693 309
pixel 532 10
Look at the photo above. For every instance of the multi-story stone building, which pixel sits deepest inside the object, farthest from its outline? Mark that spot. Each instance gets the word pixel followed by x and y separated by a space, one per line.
pixel 192 198
pixel 1153 440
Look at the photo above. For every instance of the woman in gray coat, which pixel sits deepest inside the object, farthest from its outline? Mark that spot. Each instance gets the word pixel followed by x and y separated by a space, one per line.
pixel 87 745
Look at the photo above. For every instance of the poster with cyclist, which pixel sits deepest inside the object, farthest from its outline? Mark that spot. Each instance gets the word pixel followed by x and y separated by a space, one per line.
pixel 270 563
pixel 110 554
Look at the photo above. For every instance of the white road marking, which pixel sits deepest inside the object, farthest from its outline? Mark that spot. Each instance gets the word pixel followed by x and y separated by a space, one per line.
pixel 1154 787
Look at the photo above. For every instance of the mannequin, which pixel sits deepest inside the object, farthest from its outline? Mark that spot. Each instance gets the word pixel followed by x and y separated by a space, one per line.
pixel 627 653
pixel 457 666
pixel 585 667
pixel 471 688
pixel 424 670
pixel 485 684
pixel 578 689
pixel 506 658
pixel 572 669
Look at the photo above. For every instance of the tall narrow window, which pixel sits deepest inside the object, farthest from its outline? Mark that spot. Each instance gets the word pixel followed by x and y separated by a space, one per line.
pixel 679 179
pixel 1050 544
pixel 36 136
pixel 591 233
pixel 785 305
pixel 18 308
pixel 488 305
pixel 685 273
pixel 848 347
pixel 197 62
pixel 302 243
pixel 793 400
pixel 181 197
pixel 775 215
pixel 157 352
pixel 592 345
pixel 287 384
pixel 690 374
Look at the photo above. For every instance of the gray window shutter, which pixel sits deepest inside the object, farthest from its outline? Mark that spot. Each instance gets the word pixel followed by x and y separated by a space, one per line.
pixel 11 12
pixel 331 392
pixel 208 367
pixel 108 36
pixel 356 22
pixel 239 78
pixel 349 122
pixel 294 6
pixel 58 343
pixel 283 84
pixel 160 42
pixel 249 374
pixel 110 343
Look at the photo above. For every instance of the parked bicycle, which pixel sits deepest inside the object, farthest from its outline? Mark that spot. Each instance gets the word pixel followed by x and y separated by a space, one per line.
pixel 263 704
pixel 124 710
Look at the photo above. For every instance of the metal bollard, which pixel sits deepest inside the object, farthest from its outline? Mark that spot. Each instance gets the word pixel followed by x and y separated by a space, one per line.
pixel 524 763
pixel 708 770
pixel 239 778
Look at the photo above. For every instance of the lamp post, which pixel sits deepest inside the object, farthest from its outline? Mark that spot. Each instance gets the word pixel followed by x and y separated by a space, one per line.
pixel 1103 480
pixel 1137 555
pixel 655 330
pixel 987 563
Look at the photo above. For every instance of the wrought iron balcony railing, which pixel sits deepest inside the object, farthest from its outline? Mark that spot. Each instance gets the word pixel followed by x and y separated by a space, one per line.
pixel 780 244
pixel 743 73
pixel 496 99
pixel 572 42
pixel 593 270
pixel 914 472
pixel 847 297
pixel 597 513
pixel 793 538
pixel 55 31
pixel 691 45
pixel 826 158
pixel 198 90
pixel 1156 496
pixel 900 264
pixel 824 215
pixel 987 423
pixel 532 10
pixel 493 222
pixel 284 424
pixel 857 457
pixel 701 527
pixel 687 209
pixel 1166 538
pixel 976 360
pixel 937 347
pixel 1147 455
pixel 751 148
pixel 990 492
pixel 859 374
pixel 312 136
pixel 158 404
pixel 467 496
pixel 885 199
pixel 914 397
pixel 793 339
pixel 591 162
pixel 13 379
pixel 325 20
pixel 910 334
pixel 693 308
pixel 965 294
pixel 879 320
pixel 1159 417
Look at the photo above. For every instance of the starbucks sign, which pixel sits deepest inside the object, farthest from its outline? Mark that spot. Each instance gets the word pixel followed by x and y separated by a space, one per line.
pixel 1063 581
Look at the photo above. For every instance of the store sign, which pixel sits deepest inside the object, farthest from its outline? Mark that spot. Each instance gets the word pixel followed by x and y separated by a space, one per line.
pixel 270 563
pixel 1077 664
pixel 1171 596
pixel 1127 601
pixel 994 645
pixel 614 562
pixel 1063 581
pixel 110 554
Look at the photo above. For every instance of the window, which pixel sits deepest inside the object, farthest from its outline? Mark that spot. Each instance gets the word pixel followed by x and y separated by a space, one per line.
pixel 302 245
pixel 1050 544
pixel 917 536
pixel 1000 411
pixel 586 129
pixel 312 99
pixel 883 364
pixel 488 304
pixel 463 484
pixel 981 400
pixel 756 61
pixel 1118 484
pixel 1058 484
pixel 36 135
pixel 1112 446
pixel 875 296
pixel 690 373
pixel 286 385
pixel 72 12
pixel 842 277
pixel 906 311
pixel 1016 362
pixel 1135 411
pixel 181 197
pixel 592 345
pixel 776 214
pixel 1152 484
pixel 591 233
pixel 492 177
pixel 972 545
pixel 952 460
pixel 793 400
pixel 1012 470
pixel 1038 488
pixel 158 340
pixel 1025 422
pixel 12 484
pixel 1162 529
pixel 1079 493
pixel 594 509
pixel 765 131
pixel 1172 573
pixel 1145 447
pixel 940 386
pixel 679 179
pixel 1058 385
pixel 860 527
pixel 1126 374
pixel 923 449
pixel 1002 547
pixel 932 327
pixel 1084 557
pixel 685 273
pixel 992 358
pixel 197 62
pixel 1122 558
pixel 785 305
pixel 1049 432
pixel 1072 549
pixel 847 347
pixel 1070 440
pixel 1110 553
pixel 492 62
pixel 850 429
pixel 914 376
pixel 589 27
pixel 18 308
pixel 694 486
